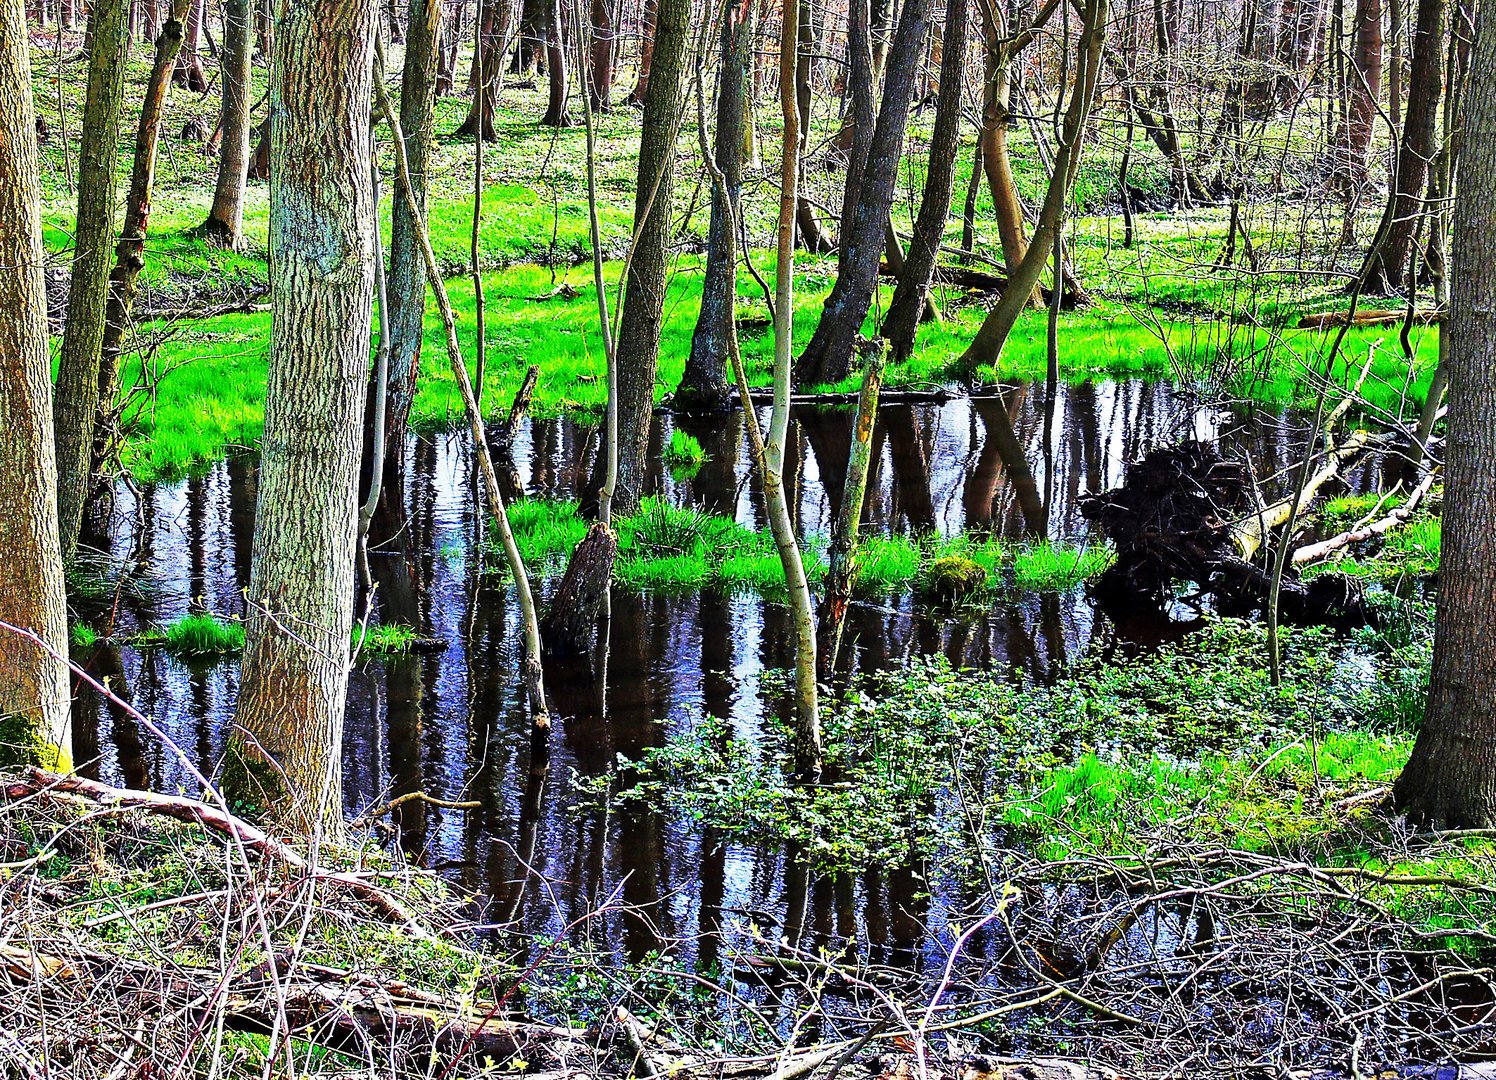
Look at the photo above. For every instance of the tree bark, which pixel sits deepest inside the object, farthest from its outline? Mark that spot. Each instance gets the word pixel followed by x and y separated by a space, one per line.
pixel 556 114
pixel 1450 779
pixel 1354 138
pixel 188 71
pixel 913 291
pixel 571 620
pixel 225 224
pixel 286 754
pixel 703 386
pixel 828 357
pixel 34 706
pixel 1387 265
pixel 646 50
pixel 813 234
pixel 644 294
pixel 407 280
pixel 77 397
pixel 604 40
pixel 486 62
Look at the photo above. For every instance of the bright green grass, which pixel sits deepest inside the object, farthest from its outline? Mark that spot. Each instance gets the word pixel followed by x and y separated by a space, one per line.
pixel 665 548
pixel 383 639
pixel 684 454
pixel 203 635
pixel 82 636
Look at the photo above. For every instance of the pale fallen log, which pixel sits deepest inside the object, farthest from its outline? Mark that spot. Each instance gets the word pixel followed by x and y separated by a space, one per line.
pixel 1334 319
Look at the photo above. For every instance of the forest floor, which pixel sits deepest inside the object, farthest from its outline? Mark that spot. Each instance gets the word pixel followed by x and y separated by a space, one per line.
pixel 1162 308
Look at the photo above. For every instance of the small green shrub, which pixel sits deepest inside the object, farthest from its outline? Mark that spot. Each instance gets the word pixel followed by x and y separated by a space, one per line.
pixel 383 639
pixel 683 454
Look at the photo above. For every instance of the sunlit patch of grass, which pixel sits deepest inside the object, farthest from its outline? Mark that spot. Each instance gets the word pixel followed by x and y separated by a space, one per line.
pixel 204 635
pixel 684 454
pixel 383 639
pixel 1050 567
pixel 886 564
pixel 82 636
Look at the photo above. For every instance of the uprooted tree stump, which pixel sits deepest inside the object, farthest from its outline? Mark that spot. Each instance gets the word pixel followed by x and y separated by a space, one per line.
pixel 1186 513
pixel 571 620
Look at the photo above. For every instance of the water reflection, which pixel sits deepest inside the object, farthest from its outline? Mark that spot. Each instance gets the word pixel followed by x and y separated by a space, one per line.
pixel 452 722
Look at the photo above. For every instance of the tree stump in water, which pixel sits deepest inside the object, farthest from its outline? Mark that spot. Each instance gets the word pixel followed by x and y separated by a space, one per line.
pixel 571 620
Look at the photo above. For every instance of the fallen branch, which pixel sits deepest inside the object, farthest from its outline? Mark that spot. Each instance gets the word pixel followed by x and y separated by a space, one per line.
pixel 1314 552
pixel 1331 320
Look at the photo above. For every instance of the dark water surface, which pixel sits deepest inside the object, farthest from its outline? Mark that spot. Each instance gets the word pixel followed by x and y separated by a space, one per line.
pixel 452 722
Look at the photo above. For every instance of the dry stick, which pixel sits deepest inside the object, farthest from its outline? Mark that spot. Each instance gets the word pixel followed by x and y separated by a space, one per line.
pixel 534 676
pixel 1311 552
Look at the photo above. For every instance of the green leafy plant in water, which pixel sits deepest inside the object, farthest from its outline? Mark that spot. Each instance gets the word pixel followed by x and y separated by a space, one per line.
pixel 383 639
pixel 204 635
pixel 684 454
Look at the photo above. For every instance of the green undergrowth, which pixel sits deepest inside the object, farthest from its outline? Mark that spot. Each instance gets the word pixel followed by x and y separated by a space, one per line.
pixel 907 749
pixel 665 548
pixel 205 635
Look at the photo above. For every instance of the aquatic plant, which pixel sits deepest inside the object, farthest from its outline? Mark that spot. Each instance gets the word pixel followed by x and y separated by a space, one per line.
pixel 684 454
pixel 1051 567
pixel 82 636
pixel 383 639
pixel 951 577
pixel 203 635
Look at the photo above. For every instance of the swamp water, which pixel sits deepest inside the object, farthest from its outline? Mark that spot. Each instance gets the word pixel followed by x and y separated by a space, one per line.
pixel 452 722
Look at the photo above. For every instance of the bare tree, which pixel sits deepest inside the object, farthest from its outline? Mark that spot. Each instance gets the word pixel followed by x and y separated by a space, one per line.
pixel 225 224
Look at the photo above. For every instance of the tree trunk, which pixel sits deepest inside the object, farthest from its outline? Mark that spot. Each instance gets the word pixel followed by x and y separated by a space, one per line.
pixel 487 59
pixel 129 253
pixel 644 295
pixel 1387 266
pixel 1354 138
pixel 913 291
pixel 1298 36
pixel 646 50
pixel 225 224
pixel 1450 780
pixel 703 386
pixel 77 403
pixel 34 706
pixel 300 601
pixel 828 357
pixel 571 621
pixel 813 235
pixel 556 114
pixel 604 39
pixel 189 66
pixel 987 346
pixel 407 283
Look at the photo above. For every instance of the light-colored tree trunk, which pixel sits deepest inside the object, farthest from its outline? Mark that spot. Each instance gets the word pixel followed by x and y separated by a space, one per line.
pixel 225 224
pixel 77 400
pixel 1450 780
pixel 286 753
pixel 34 708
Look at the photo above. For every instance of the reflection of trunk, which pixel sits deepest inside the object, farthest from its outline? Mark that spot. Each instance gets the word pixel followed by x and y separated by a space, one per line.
pixel 1003 452
pixel 1387 266
pixel 703 386
pixel 644 299
pixel 988 343
pixel 407 278
pixel 913 291
pixel 828 356
pixel 911 467
pixel 33 682
pixel 1450 779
